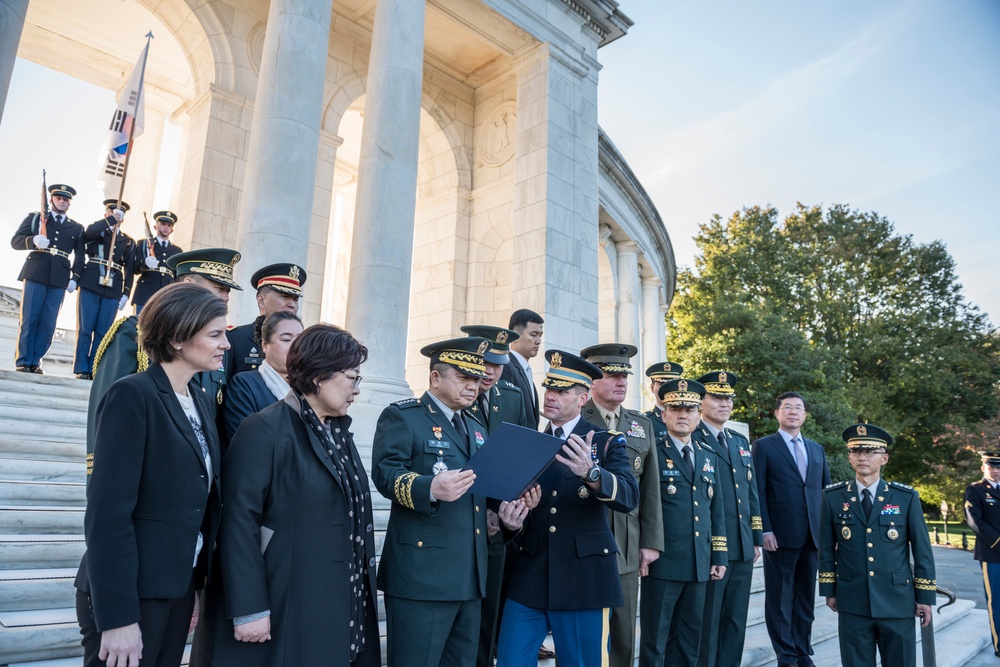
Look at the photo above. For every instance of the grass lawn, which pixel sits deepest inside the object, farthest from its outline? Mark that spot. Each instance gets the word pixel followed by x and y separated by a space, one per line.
pixel 954 533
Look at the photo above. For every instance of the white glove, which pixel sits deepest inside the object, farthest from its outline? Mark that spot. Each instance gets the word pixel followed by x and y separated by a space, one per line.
pixel 119 214
pixel 151 262
pixel 122 301
pixel 40 241
pixel 72 286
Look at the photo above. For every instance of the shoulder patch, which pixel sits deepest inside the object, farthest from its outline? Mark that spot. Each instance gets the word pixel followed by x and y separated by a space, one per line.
pixel 406 403
pixel 835 485
pixel 900 485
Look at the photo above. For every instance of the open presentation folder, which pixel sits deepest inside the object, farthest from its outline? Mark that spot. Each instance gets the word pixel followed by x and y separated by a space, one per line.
pixel 513 459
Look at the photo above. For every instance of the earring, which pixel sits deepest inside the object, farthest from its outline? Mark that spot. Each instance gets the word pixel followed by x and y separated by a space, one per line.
pixel 178 348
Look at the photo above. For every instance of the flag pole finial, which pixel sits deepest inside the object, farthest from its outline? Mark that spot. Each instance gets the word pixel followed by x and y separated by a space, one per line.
pixel 149 35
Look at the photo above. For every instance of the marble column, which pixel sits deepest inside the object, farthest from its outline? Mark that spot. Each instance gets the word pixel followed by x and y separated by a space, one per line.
pixel 628 312
pixel 607 277
pixel 378 297
pixel 653 347
pixel 279 186
pixel 12 14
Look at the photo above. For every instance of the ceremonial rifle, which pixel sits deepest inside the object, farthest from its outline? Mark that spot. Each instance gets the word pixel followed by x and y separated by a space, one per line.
pixel 149 235
pixel 43 215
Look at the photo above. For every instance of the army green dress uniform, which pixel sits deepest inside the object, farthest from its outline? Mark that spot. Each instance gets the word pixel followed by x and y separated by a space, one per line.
pixel 694 530
pixel 728 599
pixel 864 562
pixel 982 513
pixel 642 528
pixel 246 349
pixel 660 372
pixel 434 559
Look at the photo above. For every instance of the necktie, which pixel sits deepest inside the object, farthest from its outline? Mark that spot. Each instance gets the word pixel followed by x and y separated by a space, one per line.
pixel 456 421
pixel 800 457
pixel 688 458
pixel 611 420
pixel 484 405
pixel 866 502
pixel 558 432
pixel 59 219
pixel 723 443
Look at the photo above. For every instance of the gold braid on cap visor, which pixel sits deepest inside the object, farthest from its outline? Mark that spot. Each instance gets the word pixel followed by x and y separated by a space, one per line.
pixel 562 378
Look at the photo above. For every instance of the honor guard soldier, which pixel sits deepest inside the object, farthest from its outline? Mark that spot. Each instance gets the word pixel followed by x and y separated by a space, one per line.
pixel 982 513
pixel 119 353
pixel 149 260
pixel 659 373
pixel 105 283
pixel 868 531
pixel 498 401
pixel 727 599
pixel 433 566
pixel 279 287
pixel 639 533
pixel 694 529
pixel 565 578
pixel 51 240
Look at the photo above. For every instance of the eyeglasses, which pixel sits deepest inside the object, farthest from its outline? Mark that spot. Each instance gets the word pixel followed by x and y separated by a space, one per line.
pixel 866 453
pixel 355 379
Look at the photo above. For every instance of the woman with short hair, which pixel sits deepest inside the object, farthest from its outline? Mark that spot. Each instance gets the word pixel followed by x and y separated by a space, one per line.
pixel 153 503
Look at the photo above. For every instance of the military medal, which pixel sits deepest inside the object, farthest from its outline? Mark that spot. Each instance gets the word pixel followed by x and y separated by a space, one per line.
pixel 479 439
pixel 440 466
pixel 437 431
pixel 583 491
pixel 846 532
pixel 749 475
pixel 638 462
pixel 892 534
pixel 670 464
pixel 711 491
pixel 671 489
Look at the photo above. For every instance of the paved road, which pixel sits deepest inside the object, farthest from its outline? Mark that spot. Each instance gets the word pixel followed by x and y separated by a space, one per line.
pixel 957 572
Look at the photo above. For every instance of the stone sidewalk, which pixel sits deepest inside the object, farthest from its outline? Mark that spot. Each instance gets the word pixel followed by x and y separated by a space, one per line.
pixel 961 575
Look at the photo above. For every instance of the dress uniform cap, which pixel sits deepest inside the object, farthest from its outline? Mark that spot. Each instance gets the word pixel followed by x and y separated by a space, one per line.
pixel 465 354
pixel 664 370
pixel 165 216
pixel 567 369
pixel 62 190
pixel 114 203
pixel 720 383
pixel 284 278
pixel 216 264
pixel 500 340
pixel 679 391
pixel 866 436
pixel 990 458
pixel 611 357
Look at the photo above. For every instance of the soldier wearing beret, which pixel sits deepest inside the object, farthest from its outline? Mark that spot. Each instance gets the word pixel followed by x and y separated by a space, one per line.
pixel 869 529
pixel 694 531
pixel 659 373
pixel 279 287
pixel 150 257
pixel 51 239
pixel 639 533
pixel 982 513
pixel 727 599
pixel 565 578
pixel 105 283
pixel 434 561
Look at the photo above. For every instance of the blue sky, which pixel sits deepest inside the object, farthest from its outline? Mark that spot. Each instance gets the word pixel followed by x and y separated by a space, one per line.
pixel 889 106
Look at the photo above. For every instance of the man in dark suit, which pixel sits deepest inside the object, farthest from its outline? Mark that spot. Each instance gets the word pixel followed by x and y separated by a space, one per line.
pixel 869 530
pixel 791 472
pixel 150 257
pixel 279 287
pixel 728 599
pixel 982 513
pixel 433 567
pixel 47 273
pixel 528 325
pixel 565 579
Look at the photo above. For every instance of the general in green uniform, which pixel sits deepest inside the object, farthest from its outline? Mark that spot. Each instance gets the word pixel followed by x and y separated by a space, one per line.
pixel 639 533
pixel 869 532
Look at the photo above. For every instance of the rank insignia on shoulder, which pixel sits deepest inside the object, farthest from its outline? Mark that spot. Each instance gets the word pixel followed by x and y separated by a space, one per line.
pixel 406 403
pixel 635 430
pixel 900 485
pixel 968 504
pixel 835 485
pixel 508 384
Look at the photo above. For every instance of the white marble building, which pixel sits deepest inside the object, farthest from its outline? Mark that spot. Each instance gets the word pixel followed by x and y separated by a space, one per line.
pixel 431 163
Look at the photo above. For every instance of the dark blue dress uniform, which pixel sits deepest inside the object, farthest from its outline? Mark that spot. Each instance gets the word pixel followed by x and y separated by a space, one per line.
pixel 46 274
pixel 246 349
pixel 152 280
pixel 98 301
pixel 982 513
pixel 864 562
pixel 694 534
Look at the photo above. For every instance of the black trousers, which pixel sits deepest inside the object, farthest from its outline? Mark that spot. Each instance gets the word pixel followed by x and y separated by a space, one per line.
pixel 789 602
pixel 163 624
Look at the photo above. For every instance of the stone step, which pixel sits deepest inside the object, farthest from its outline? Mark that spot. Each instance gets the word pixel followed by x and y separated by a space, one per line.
pixel 959 643
pixel 42 470
pixel 23 552
pixel 18 427
pixel 63 386
pixel 23 590
pixel 59 494
pixel 32 446
pixel 39 635
pixel 41 519
pixel 43 397
pixel 55 662
pixel 44 417
pixel 986 657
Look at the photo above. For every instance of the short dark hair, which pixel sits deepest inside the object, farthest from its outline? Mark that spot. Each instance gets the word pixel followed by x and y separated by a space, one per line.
pixel 265 325
pixel 319 352
pixel 174 315
pixel 790 394
pixel 520 319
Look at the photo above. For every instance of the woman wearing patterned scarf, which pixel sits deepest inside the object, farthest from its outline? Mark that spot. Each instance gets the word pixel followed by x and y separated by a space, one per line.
pixel 296 545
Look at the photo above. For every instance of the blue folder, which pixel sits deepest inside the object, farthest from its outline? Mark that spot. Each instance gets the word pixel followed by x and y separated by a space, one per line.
pixel 512 460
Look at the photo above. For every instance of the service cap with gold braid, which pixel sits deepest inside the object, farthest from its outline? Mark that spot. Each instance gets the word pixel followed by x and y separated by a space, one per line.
pixel 284 278
pixel 500 340
pixel 681 392
pixel 216 264
pixel 611 357
pixel 866 436
pixel 719 383
pixel 465 354
pixel 114 203
pixel 664 370
pixel 991 459
pixel 62 190
pixel 568 370
pixel 166 217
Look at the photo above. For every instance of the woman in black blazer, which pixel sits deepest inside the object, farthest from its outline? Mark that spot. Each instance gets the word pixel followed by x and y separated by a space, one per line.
pixel 252 391
pixel 153 503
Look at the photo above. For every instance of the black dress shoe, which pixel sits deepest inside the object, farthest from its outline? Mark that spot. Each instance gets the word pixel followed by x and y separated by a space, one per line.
pixel 84 376
pixel 23 369
pixel 545 653
pixel 38 370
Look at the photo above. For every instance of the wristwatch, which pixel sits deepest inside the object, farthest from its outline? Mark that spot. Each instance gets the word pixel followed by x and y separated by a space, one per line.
pixel 593 474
